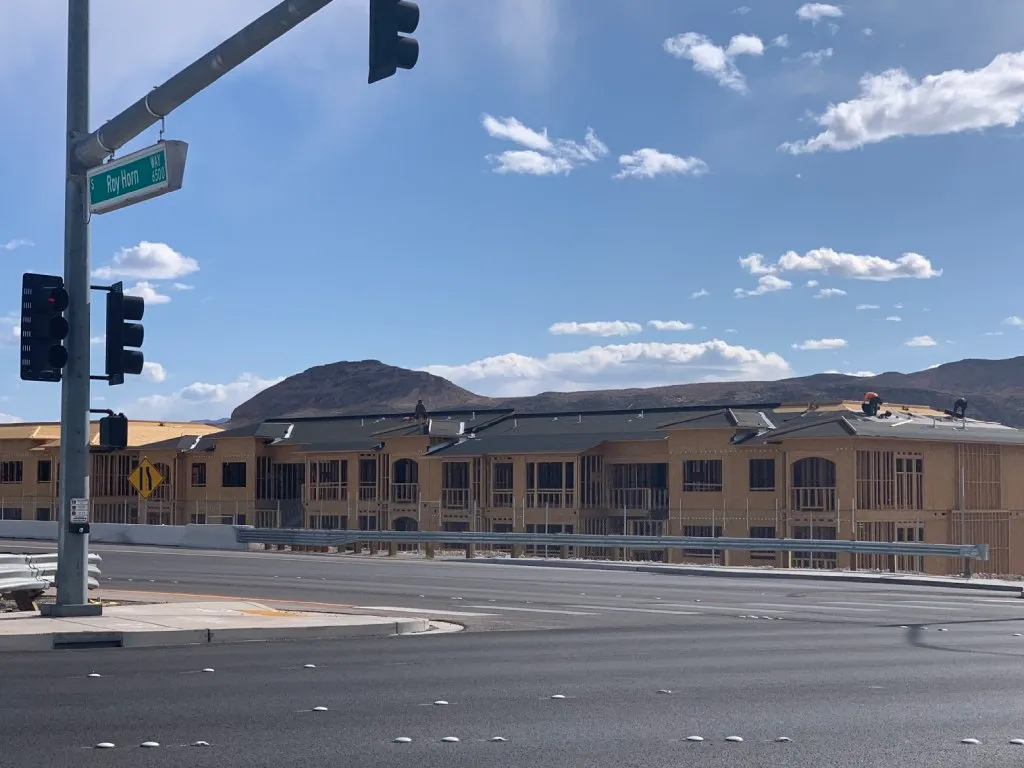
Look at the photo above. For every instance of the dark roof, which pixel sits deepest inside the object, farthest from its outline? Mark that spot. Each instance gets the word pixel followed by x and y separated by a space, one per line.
pixel 610 423
pixel 497 445
pixel 724 418
pixel 182 443
pixel 899 426
pixel 498 431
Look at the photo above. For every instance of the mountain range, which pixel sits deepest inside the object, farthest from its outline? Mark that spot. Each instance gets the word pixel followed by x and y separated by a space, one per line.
pixel 993 389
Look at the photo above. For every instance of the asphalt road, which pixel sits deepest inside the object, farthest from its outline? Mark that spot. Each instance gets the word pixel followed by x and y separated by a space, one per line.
pixel 846 694
pixel 485 596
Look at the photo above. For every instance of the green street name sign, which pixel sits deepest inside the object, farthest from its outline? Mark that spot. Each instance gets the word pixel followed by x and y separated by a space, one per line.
pixel 148 173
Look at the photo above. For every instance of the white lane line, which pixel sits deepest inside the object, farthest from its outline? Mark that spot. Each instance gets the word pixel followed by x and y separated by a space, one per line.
pixel 906 606
pixel 634 610
pixel 967 605
pixel 531 610
pixel 816 607
pixel 401 611
pixel 733 608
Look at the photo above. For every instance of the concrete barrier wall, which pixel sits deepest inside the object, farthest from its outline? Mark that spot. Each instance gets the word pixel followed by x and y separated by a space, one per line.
pixel 187 536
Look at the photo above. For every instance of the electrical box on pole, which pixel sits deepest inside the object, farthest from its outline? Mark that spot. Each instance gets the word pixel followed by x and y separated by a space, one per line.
pixel 124 334
pixel 390 49
pixel 43 327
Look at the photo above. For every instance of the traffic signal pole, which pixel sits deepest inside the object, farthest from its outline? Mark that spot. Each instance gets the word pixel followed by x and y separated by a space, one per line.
pixel 86 151
pixel 73 549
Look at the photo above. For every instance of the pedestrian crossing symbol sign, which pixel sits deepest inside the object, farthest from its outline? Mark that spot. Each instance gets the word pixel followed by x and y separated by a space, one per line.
pixel 145 478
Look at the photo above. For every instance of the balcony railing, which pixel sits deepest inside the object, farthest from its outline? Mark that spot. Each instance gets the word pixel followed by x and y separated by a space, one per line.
pixel 813 499
pixel 502 499
pixel 638 498
pixel 367 491
pixel 455 498
pixel 405 493
pixel 551 499
pixel 327 492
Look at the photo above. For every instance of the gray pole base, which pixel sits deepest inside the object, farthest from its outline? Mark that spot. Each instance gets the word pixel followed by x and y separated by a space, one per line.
pixel 55 611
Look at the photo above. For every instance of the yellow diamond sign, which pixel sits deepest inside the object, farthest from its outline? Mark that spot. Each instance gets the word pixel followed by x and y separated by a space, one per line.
pixel 145 478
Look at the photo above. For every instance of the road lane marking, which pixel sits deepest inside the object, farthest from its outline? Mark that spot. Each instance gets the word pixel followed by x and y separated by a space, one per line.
pixel 531 610
pixel 635 610
pixel 906 605
pixel 732 608
pixel 431 612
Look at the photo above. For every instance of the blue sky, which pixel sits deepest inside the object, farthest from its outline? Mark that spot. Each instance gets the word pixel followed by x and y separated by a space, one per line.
pixel 561 195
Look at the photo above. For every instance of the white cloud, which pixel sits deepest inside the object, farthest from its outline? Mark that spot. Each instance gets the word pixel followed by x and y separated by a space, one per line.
pixel 821 344
pixel 765 284
pixel 202 400
pixel 782 41
pixel 670 325
pixel 715 61
pixel 600 328
pixel 731 330
pixel 101 339
pixel 812 283
pixel 858 374
pixel 147 291
pixel 898 305
pixel 700 294
pixel 182 286
pixel 893 104
pixel 829 293
pixel 6 418
pixel 920 341
pixel 148 261
pixel 868 31
pixel 993 333
pixel 616 365
pixel 867 306
pixel 647 163
pixel 894 319
pixel 848 265
pixel 11 334
pixel 12 245
pixel 743 10
pixel 154 372
pixel 1014 320
pixel 815 12
pixel 541 156
pixel 816 57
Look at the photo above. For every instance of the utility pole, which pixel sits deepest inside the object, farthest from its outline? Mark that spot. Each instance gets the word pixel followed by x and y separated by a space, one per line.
pixel 86 151
pixel 73 559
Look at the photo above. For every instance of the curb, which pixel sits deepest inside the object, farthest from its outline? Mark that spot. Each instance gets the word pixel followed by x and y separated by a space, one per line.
pixel 179 637
pixel 675 570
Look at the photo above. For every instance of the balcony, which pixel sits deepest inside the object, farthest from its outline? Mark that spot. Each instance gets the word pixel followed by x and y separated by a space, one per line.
pixel 813 499
pixel 455 498
pixel 367 491
pixel 502 499
pixel 405 493
pixel 550 499
pixel 328 492
pixel 637 498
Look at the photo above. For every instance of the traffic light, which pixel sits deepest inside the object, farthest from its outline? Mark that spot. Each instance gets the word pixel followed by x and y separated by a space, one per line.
pixel 389 50
pixel 114 432
pixel 123 334
pixel 43 327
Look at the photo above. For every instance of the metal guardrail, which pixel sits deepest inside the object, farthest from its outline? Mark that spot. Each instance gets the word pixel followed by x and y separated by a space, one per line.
pixel 327 538
pixel 36 573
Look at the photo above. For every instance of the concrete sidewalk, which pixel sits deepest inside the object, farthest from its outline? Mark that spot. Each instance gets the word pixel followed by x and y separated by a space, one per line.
pixel 192 623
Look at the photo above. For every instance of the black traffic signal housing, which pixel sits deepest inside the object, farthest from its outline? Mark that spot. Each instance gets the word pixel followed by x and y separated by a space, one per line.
pixel 124 335
pixel 43 327
pixel 114 432
pixel 390 50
